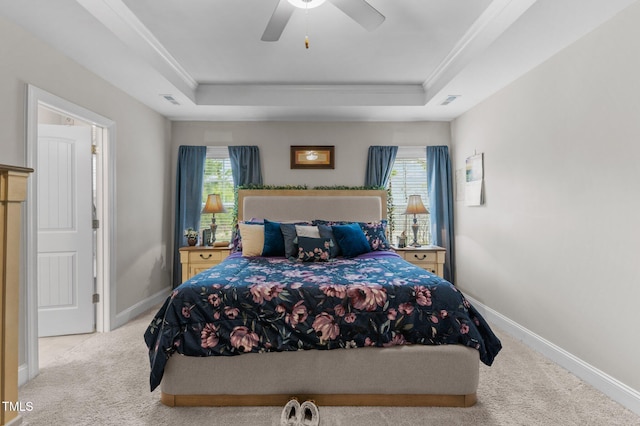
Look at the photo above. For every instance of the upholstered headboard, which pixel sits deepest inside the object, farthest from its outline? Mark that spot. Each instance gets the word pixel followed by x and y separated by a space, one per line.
pixel 309 204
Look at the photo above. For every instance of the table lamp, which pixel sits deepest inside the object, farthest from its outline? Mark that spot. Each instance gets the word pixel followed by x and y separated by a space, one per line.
pixel 415 207
pixel 213 206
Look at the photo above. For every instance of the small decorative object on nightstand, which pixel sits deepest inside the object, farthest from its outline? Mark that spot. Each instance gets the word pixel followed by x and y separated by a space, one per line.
pixel 198 259
pixel 430 258
pixel 192 236
pixel 402 240
pixel 213 206
pixel 414 207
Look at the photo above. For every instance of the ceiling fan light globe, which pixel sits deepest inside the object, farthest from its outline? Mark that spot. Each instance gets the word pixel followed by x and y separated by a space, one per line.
pixel 306 4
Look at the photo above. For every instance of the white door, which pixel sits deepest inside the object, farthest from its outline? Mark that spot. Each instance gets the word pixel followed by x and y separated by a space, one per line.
pixel 65 234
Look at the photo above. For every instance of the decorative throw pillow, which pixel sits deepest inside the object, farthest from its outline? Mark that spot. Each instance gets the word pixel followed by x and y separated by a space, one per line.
pixel 313 249
pixel 376 234
pixel 326 232
pixel 236 241
pixel 273 239
pixel 290 238
pixel 307 231
pixel 252 239
pixel 318 222
pixel 236 236
pixel 351 239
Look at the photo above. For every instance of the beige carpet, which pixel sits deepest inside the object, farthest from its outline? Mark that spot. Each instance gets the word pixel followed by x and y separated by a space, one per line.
pixel 104 381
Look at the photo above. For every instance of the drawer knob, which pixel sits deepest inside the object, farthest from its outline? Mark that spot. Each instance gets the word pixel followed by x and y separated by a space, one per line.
pixel 206 258
pixel 421 257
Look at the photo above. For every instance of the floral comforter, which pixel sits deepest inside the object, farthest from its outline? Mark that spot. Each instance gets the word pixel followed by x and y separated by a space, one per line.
pixel 274 304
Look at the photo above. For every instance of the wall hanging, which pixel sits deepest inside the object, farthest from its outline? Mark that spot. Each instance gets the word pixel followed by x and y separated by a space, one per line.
pixel 312 157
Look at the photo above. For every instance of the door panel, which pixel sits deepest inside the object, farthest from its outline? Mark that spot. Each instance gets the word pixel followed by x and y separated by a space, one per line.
pixel 57 285
pixel 65 235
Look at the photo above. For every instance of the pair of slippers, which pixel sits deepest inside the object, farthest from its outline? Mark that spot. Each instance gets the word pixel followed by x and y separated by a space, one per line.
pixel 296 414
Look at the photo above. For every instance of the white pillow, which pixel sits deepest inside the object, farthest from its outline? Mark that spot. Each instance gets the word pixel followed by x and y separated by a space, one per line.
pixel 305 231
pixel 252 239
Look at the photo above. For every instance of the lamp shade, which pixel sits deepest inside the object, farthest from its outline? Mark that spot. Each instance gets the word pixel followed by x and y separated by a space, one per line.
pixel 415 206
pixel 214 204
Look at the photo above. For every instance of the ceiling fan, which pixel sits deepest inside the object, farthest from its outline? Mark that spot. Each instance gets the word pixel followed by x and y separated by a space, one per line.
pixel 358 10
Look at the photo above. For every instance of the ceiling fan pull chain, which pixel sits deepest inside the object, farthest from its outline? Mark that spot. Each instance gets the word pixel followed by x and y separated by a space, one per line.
pixel 306 19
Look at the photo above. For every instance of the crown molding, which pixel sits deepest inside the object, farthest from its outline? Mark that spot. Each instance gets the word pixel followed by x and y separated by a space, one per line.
pixel 122 22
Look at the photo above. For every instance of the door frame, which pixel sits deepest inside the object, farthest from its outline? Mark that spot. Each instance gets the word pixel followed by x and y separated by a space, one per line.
pixel 105 235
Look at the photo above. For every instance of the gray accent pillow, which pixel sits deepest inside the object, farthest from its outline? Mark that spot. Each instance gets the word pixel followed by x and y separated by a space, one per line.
pixel 290 238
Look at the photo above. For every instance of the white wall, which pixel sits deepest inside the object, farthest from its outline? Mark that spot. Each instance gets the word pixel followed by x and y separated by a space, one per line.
pixel 556 246
pixel 351 141
pixel 142 154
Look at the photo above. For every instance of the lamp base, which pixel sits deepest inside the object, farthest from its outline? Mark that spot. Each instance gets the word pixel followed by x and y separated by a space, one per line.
pixel 213 227
pixel 414 228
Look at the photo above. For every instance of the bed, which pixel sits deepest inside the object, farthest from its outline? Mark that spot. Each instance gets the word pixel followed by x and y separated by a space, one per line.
pixel 355 329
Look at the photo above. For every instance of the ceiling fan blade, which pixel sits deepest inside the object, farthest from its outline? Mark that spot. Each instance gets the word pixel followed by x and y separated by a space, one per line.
pixel 361 12
pixel 278 21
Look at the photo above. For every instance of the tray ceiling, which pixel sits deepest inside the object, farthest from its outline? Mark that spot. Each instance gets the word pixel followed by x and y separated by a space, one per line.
pixel 208 58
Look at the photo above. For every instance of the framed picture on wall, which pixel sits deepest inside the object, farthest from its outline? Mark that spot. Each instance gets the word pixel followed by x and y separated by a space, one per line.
pixel 312 157
pixel 474 180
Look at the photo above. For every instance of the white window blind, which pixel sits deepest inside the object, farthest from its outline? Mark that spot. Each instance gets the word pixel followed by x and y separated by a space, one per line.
pixel 409 177
pixel 218 180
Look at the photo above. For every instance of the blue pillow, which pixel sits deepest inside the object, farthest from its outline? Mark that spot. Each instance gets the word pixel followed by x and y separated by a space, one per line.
pixel 273 239
pixel 313 249
pixel 375 232
pixel 351 239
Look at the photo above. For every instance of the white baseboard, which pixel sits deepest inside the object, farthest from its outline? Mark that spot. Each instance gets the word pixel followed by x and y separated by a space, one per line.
pixel 140 308
pixel 23 374
pixel 613 388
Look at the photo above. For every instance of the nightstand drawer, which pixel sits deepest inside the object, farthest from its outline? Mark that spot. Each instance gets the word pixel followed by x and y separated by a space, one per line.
pixel 431 267
pixel 420 256
pixel 207 256
pixel 198 259
pixel 197 268
pixel 430 258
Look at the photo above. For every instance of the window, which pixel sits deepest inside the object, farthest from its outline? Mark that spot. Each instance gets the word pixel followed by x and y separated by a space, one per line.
pixel 218 180
pixel 409 177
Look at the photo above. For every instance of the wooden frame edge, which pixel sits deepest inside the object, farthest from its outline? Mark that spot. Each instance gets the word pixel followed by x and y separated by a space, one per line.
pixel 13 191
pixel 294 149
pixel 381 400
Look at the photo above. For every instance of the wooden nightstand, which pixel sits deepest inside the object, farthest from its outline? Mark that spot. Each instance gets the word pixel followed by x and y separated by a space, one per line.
pixel 197 259
pixel 430 258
